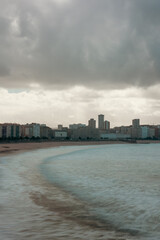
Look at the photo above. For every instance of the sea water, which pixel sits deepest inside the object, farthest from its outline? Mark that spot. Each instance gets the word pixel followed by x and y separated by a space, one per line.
pixel 116 187
pixel 121 183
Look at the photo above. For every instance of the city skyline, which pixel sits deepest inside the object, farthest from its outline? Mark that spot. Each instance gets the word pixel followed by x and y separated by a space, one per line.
pixel 92 122
pixel 65 61
pixel 92 131
pixel 100 122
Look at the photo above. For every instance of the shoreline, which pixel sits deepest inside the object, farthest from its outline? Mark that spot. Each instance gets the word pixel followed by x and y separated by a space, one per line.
pixel 19 147
pixel 14 148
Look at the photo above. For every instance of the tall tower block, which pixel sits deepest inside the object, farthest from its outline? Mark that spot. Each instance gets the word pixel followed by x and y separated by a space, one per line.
pixel 101 121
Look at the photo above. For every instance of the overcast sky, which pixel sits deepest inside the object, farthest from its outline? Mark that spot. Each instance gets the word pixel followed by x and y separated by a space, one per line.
pixel 65 61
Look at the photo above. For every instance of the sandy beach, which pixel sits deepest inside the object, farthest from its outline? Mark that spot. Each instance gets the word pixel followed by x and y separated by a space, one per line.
pixel 13 148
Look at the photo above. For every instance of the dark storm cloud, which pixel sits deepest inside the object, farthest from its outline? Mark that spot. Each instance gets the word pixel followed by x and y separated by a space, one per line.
pixel 98 43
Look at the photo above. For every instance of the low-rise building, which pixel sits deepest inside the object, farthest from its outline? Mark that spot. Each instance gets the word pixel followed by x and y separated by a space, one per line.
pixel 58 134
pixel 85 133
pixel 136 132
pixel 60 127
pixel 92 123
pixel 115 136
pixel 157 132
pixel 45 132
pixel 151 132
pixel 76 126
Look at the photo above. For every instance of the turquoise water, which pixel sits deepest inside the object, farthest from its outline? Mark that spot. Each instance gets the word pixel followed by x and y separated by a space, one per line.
pixel 120 182
pixel 81 192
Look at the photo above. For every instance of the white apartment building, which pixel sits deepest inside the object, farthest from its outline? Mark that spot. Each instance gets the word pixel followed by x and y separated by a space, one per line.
pixel 144 132
pixel 35 130
pixel 60 134
pixel 114 136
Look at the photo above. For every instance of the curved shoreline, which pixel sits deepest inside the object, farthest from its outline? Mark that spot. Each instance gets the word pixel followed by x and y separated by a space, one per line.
pixel 12 148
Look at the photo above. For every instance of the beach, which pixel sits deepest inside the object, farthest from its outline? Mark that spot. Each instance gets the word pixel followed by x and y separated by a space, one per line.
pixel 13 148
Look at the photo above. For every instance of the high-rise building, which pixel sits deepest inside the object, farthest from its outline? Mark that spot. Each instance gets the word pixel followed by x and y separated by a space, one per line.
pixel 101 121
pixel 60 127
pixel 135 123
pixel 136 131
pixel 106 125
pixel 92 123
